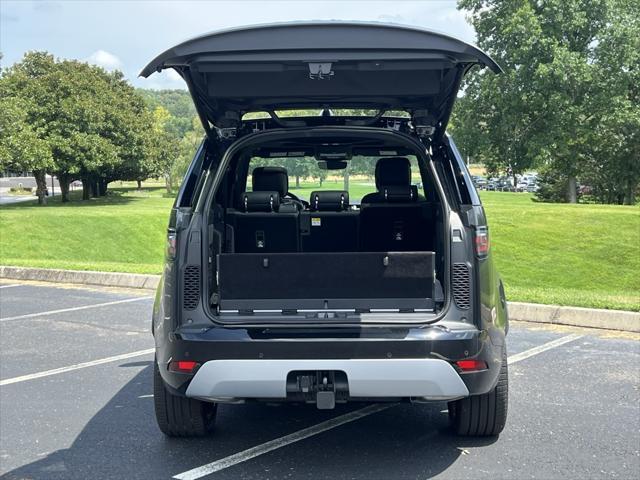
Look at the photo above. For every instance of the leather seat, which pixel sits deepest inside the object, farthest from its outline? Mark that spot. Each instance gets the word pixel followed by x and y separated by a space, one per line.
pixel 329 225
pixel 393 174
pixel 260 225
pixel 393 218
pixel 275 179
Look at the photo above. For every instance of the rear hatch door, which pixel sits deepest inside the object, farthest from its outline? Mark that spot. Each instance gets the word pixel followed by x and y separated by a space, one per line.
pixel 322 65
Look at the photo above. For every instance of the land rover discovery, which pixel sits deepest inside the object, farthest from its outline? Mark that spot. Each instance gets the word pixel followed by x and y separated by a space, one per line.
pixel 332 294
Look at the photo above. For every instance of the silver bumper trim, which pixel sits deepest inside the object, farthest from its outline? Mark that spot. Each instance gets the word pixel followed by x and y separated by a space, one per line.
pixel 429 378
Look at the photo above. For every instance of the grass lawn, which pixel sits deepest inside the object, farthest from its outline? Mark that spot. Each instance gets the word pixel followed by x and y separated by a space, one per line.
pixel 584 255
pixel 123 232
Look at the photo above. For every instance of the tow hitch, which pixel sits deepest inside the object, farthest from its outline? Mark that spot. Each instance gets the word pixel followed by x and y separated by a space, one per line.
pixel 324 388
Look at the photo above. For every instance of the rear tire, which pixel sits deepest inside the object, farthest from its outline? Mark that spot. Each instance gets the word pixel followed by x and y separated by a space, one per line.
pixel 181 416
pixel 482 415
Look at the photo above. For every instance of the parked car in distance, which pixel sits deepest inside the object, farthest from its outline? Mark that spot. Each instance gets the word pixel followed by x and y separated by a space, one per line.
pixel 504 184
pixel 268 297
pixel 479 181
pixel 532 186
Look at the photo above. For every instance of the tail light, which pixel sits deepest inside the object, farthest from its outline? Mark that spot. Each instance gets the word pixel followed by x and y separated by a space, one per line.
pixel 481 242
pixel 183 366
pixel 170 251
pixel 471 365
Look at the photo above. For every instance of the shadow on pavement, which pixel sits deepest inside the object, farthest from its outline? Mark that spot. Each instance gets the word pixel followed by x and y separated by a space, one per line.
pixel 122 441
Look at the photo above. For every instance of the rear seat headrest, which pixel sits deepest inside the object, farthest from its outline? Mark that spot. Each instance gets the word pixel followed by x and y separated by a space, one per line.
pixel 261 201
pixel 399 194
pixel 266 179
pixel 329 200
pixel 393 171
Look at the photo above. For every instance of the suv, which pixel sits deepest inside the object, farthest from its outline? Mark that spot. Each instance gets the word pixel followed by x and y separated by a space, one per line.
pixel 269 296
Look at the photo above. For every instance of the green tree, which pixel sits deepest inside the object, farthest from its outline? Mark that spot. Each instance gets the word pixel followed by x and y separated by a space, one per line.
pixel 165 148
pixel 298 168
pixel 614 164
pixel 538 110
pixel 94 123
pixel 186 148
pixel 20 146
pixel 316 172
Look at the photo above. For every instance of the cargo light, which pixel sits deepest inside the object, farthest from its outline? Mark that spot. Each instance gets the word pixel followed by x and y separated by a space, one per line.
pixel 471 365
pixel 183 366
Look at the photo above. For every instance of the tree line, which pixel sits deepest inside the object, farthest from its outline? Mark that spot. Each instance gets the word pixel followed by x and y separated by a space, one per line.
pixel 567 105
pixel 79 122
pixel 568 102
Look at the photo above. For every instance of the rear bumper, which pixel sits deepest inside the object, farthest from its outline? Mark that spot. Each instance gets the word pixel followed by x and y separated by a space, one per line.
pixel 234 358
pixel 426 378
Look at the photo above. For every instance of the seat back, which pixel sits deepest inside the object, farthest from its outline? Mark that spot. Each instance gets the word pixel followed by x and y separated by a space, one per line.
pixel 393 219
pixel 275 179
pixel 261 227
pixel 329 226
pixel 396 227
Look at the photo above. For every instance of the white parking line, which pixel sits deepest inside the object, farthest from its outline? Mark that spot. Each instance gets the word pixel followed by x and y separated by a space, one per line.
pixel 542 348
pixel 78 366
pixel 74 309
pixel 279 442
pixel 11 286
pixel 236 458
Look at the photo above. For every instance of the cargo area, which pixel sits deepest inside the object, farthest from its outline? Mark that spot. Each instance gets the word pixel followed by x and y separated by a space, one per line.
pixel 271 250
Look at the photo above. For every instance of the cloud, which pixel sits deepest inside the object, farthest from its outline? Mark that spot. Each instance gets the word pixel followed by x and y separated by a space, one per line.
pixel 106 60
pixel 167 79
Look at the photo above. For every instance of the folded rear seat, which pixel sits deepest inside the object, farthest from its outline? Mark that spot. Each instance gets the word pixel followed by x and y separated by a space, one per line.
pixel 329 226
pixel 261 226
pixel 395 219
pixel 401 225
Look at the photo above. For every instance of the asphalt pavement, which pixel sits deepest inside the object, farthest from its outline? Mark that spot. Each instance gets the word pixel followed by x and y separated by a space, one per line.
pixel 76 403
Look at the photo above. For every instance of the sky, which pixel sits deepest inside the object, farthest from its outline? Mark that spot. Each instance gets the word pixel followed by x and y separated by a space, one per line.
pixel 127 34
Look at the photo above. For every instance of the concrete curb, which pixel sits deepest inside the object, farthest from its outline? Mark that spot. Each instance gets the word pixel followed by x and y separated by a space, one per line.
pixel 527 312
pixel 575 316
pixel 105 279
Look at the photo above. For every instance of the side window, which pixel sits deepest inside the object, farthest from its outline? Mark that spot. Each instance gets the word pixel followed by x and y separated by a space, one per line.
pixel 416 177
pixel 189 187
pixel 467 192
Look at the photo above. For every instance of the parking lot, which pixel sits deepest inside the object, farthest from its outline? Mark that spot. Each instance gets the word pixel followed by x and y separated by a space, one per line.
pixel 76 403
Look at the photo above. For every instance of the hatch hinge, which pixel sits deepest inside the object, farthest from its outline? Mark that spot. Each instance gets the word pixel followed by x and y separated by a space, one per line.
pixel 424 122
pixel 227 133
pixel 228 124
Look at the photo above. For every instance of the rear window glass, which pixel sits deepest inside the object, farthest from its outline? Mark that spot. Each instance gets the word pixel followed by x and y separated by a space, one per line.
pixel 318 112
pixel 305 176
